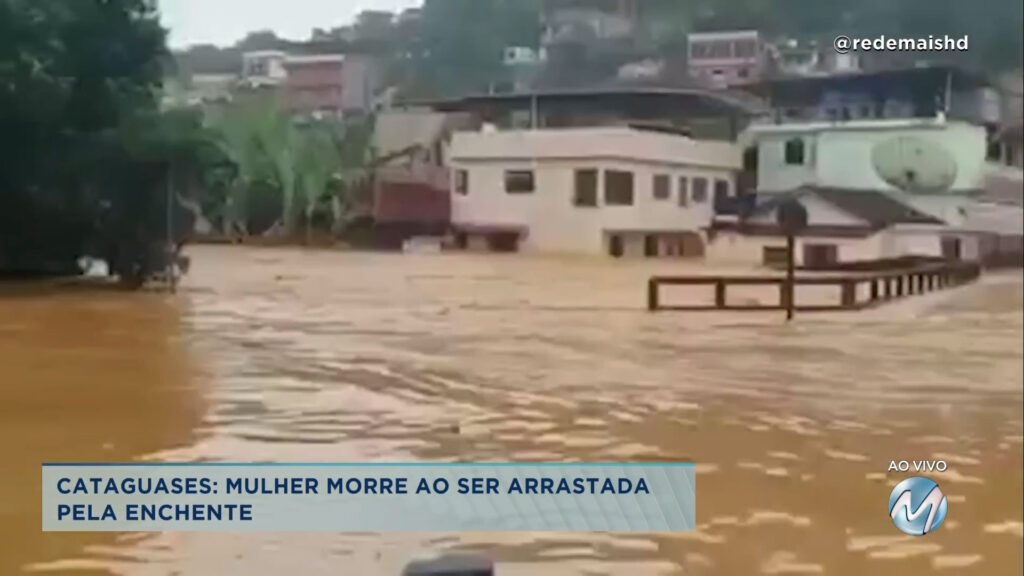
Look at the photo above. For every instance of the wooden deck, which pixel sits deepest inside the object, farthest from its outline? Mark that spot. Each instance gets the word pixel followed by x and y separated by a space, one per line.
pixel 881 287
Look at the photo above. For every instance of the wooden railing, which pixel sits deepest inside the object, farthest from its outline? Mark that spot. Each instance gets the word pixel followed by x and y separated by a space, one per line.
pixel 882 287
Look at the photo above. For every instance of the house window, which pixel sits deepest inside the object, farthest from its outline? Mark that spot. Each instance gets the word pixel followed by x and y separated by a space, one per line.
pixel 519 181
pixel 616 247
pixel 585 190
pixel 994 152
pixel 951 248
pixel 618 188
pixel 774 256
pixel 743 73
pixel 721 49
pixel 820 255
pixel 745 48
pixel 684 191
pixel 700 190
pixel 750 159
pixel 461 182
pixel 700 50
pixel 794 152
pixel 721 190
pixel 662 187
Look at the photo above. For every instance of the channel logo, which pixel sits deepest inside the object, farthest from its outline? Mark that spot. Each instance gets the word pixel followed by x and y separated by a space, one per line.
pixel 917 506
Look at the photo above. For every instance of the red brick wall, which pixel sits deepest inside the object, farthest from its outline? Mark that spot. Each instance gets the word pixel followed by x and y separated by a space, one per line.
pixel 406 202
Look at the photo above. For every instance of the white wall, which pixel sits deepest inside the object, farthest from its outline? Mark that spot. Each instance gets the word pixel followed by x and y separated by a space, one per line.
pixel 773 174
pixel 555 224
pixel 839 155
pixel 734 248
pixel 360 81
pixel 895 243
pixel 606 143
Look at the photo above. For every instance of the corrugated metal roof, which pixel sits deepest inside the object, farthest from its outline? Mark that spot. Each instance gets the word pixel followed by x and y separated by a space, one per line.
pixel 720 101
pixel 398 130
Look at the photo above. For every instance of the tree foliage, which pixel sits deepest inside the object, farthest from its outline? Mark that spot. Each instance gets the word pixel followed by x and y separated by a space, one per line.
pixel 72 76
pixel 289 168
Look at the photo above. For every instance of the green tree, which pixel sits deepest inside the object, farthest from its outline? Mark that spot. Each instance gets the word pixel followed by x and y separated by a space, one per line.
pixel 304 163
pixel 71 74
pixel 463 41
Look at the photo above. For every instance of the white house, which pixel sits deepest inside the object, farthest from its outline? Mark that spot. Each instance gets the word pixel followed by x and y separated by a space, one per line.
pixel 930 167
pixel 623 191
pixel 934 155
pixel 263 68
pixel 935 165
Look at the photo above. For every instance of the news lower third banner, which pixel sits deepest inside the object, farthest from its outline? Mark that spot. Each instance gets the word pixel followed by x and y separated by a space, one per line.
pixel 229 497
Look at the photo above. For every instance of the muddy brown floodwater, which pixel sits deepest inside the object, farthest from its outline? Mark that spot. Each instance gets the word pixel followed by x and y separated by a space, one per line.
pixel 285 355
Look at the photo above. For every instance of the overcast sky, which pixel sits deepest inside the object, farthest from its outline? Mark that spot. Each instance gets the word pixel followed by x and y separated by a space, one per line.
pixel 225 21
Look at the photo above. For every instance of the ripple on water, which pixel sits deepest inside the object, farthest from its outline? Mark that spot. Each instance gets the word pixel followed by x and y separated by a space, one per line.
pixel 787 563
pixel 353 357
pixel 1011 527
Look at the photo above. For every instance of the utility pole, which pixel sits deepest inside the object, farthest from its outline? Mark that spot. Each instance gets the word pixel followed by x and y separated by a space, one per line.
pixel 792 218
pixel 790 275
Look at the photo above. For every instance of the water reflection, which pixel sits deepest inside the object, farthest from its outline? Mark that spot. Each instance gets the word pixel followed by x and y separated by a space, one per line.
pixel 323 356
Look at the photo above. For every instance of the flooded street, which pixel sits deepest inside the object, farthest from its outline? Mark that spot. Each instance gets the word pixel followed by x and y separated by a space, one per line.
pixel 285 355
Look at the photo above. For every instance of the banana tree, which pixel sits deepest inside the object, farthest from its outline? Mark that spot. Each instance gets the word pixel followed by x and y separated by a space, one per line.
pixel 357 161
pixel 318 164
pixel 261 140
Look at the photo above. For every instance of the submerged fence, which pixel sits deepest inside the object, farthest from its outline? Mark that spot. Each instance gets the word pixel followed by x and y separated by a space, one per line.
pixel 880 288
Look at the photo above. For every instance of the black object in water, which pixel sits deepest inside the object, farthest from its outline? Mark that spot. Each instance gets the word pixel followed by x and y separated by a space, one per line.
pixel 451 566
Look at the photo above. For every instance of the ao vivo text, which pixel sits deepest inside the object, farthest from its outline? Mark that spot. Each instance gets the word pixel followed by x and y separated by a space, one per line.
pixel 917 465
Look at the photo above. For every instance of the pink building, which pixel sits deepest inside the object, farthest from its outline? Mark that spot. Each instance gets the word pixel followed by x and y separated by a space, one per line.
pixel 315 84
pixel 726 58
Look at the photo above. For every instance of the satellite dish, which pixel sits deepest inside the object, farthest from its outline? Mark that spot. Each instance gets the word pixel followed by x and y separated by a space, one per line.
pixel 916 165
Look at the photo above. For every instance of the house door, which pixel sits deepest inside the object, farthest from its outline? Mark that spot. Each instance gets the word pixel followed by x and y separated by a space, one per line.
pixel 820 256
pixel 951 249
pixel 651 246
pixel 615 248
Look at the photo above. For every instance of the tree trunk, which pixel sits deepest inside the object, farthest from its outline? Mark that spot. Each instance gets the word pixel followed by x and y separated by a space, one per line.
pixel 309 226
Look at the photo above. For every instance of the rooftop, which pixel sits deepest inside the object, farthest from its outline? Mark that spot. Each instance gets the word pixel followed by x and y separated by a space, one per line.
pixel 959 78
pixel 315 59
pixel 264 54
pixel 879 209
pixel 697 100
pixel 616 143
pixel 852 125
pixel 724 35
